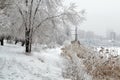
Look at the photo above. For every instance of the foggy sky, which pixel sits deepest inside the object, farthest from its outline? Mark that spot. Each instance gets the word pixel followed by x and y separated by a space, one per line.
pixel 102 15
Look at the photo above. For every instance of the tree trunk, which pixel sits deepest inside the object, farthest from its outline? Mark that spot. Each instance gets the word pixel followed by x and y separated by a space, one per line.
pixel 76 35
pixel 2 42
pixel 27 41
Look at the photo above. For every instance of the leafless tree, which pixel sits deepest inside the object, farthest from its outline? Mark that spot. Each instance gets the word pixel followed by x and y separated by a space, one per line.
pixel 45 16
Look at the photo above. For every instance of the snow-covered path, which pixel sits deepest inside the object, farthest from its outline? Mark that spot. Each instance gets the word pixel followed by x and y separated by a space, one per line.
pixel 43 65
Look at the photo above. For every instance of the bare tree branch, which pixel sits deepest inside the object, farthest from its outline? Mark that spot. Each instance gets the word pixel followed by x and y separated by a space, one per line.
pixel 30 21
pixel 48 18
pixel 20 11
pixel 36 11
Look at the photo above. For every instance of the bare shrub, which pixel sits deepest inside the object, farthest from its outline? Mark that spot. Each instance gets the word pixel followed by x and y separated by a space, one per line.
pixel 99 66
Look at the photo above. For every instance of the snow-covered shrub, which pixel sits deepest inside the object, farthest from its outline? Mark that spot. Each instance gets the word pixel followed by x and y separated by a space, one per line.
pixel 99 66
pixel 75 67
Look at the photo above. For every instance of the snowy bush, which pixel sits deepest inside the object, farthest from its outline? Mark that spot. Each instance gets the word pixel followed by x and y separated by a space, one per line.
pixel 92 63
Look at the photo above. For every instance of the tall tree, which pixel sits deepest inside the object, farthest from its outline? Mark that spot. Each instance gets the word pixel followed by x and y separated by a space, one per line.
pixel 44 15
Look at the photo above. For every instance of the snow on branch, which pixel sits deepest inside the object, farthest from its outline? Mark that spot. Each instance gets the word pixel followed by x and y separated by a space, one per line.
pixel 48 18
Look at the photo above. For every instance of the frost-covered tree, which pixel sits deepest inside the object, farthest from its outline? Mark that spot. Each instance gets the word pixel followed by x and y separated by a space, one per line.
pixel 4 28
pixel 46 18
pixel 4 21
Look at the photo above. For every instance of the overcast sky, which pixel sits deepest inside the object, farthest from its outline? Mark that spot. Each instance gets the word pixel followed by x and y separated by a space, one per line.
pixel 102 15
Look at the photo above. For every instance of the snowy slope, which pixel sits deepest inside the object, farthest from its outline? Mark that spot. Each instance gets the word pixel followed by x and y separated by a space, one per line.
pixel 43 65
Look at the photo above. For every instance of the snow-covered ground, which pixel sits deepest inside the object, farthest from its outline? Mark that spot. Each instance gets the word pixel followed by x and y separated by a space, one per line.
pixel 44 65
pixel 110 50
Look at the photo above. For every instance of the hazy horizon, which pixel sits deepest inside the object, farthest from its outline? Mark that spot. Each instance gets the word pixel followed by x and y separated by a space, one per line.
pixel 102 15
